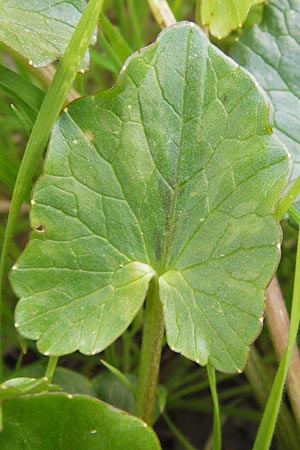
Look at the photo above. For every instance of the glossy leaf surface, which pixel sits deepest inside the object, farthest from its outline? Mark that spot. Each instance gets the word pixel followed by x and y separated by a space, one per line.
pixel 58 421
pixel 173 174
pixel 271 52
pixel 224 16
pixel 39 30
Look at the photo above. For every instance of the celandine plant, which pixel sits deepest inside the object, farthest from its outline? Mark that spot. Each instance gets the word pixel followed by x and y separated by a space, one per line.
pixel 155 211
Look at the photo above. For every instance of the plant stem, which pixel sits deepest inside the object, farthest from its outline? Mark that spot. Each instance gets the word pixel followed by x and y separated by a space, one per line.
pixel 216 421
pixel 51 107
pixel 150 353
pixel 162 13
pixel 51 367
pixel 279 324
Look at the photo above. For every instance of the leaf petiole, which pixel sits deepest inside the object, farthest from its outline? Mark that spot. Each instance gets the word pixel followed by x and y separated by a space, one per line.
pixel 150 353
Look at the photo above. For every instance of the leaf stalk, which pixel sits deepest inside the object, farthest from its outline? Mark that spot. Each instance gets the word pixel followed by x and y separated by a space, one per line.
pixel 162 13
pixel 150 353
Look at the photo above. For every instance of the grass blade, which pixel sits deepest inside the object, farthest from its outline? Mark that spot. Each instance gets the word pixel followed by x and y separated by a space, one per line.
pixel 51 106
pixel 268 422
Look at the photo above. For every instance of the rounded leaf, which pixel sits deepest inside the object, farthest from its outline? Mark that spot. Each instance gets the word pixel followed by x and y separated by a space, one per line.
pixel 58 421
pixel 173 173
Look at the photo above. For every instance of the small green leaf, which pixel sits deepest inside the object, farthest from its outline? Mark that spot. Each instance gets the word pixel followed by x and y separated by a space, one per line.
pixel 271 52
pixel 224 16
pixel 16 387
pixel 45 27
pixel 58 421
pixel 172 174
pixel 69 381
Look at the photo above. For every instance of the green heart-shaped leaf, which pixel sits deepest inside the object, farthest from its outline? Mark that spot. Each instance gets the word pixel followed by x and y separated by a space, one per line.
pixel 271 52
pixel 172 174
pixel 39 30
pixel 224 16
pixel 58 421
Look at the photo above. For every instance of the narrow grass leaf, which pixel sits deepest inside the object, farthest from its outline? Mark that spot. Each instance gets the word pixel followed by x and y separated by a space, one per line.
pixel 47 115
pixel 268 423
pixel 19 88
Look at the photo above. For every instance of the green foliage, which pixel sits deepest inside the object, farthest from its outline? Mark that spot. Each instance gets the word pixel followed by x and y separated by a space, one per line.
pixel 59 421
pixel 271 52
pixel 162 188
pixel 46 27
pixel 16 387
pixel 133 188
pixel 225 16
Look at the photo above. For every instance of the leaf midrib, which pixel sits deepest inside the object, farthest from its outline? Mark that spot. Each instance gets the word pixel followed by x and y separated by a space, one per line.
pixel 170 224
